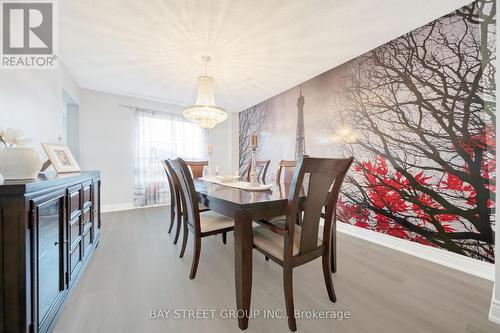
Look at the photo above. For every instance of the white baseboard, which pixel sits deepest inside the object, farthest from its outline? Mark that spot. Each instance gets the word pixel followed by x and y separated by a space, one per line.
pixel 495 309
pixel 453 260
pixel 126 206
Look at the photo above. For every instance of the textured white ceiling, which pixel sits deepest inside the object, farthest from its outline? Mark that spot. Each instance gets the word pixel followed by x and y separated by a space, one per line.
pixel 152 48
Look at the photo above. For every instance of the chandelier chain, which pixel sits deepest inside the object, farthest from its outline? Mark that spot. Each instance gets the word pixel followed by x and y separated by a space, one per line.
pixel 205 60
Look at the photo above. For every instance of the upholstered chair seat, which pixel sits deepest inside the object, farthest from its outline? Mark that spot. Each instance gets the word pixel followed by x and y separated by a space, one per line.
pixel 211 221
pixel 274 243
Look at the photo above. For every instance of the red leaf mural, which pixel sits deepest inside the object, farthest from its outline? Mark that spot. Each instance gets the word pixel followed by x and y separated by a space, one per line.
pixel 423 107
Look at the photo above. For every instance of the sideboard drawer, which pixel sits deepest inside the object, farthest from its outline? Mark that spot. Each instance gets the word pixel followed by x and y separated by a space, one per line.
pixel 74 206
pixel 87 216
pixel 87 194
pixel 74 231
pixel 75 259
pixel 87 240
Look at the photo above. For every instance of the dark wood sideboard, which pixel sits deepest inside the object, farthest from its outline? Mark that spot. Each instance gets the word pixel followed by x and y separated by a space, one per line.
pixel 49 229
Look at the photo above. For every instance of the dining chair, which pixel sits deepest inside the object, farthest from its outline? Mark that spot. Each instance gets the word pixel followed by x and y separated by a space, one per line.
pixel 175 200
pixel 283 179
pixel 285 171
pixel 175 209
pixel 261 168
pixel 294 245
pixel 200 225
pixel 197 168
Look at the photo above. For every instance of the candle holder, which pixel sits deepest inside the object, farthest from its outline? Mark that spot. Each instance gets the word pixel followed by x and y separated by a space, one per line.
pixel 253 168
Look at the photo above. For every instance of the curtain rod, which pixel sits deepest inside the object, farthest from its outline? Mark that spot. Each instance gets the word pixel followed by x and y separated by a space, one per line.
pixel 150 110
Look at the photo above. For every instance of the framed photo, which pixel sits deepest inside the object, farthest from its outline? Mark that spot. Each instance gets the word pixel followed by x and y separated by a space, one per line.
pixel 61 158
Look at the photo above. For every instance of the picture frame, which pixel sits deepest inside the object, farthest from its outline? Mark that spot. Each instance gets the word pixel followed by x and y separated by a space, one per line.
pixel 60 157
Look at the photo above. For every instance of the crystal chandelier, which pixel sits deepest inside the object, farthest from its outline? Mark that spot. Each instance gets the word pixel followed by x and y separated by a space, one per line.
pixel 205 113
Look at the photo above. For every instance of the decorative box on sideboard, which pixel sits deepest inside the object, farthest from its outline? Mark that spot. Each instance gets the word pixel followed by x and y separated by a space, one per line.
pixel 49 229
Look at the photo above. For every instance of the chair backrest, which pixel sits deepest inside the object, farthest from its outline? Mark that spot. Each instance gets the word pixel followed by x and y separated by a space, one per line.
pixel 261 168
pixel 285 171
pixel 188 198
pixel 196 167
pixel 173 185
pixel 325 177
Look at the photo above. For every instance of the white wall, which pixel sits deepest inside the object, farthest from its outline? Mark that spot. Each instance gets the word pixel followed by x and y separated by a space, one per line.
pixel 107 142
pixel 224 138
pixel 495 299
pixel 32 100
pixel 73 129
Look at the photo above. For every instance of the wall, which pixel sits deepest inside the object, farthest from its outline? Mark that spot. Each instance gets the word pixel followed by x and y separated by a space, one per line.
pixel 73 129
pixel 417 114
pixel 495 299
pixel 107 142
pixel 224 139
pixel 32 101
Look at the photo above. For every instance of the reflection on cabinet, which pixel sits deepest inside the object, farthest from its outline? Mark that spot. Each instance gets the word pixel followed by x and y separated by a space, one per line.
pixel 49 229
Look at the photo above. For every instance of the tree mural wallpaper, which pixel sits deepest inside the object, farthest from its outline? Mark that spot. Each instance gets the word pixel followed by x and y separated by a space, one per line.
pixel 418 115
pixel 253 120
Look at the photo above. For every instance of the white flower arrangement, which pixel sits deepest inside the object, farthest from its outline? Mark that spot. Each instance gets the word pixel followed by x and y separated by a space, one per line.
pixel 12 137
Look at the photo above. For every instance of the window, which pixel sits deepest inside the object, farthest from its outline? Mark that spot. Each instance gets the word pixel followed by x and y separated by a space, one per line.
pixel 160 136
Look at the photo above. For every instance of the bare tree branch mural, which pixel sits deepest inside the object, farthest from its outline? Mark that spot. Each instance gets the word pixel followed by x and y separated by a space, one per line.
pixel 423 106
pixel 418 114
pixel 252 121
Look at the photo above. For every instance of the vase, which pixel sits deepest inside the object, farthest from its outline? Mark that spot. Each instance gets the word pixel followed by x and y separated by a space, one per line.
pixel 19 163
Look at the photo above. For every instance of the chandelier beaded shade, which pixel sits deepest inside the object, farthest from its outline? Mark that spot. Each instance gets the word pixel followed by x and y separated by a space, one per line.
pixel 205 113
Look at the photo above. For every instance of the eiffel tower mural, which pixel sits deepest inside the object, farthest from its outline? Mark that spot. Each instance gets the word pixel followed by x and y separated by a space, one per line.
pixel 300 140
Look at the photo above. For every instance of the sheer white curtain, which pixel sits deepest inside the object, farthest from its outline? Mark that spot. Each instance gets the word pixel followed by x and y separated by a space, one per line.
pixel 159 136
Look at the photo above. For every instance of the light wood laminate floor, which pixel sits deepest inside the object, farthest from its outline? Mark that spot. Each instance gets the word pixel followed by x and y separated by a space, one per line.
pixel 136 269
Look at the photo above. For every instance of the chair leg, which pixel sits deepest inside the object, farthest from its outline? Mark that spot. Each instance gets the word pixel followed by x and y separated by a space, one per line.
pixel 333 248
pixel 179 225
pixel 224 238
pixel 172 217
pixel 328 275
pixel 196 256
pixel 288 286
pixel 333 256
pixel 185 233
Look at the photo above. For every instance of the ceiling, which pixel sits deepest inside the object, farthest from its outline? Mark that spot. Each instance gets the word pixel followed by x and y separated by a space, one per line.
pixel 259 48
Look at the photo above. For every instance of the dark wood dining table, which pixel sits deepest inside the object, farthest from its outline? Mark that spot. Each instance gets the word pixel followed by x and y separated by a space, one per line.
pixel 244 207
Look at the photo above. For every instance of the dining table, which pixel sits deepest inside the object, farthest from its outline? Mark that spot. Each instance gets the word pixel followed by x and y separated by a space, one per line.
pixel 244 207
